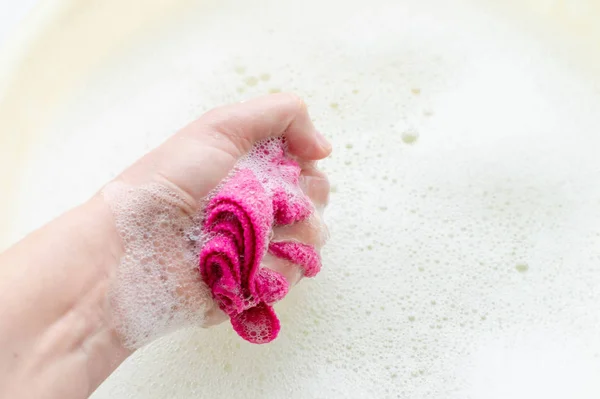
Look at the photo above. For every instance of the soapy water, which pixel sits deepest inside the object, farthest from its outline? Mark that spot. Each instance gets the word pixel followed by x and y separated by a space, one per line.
pixel 465 209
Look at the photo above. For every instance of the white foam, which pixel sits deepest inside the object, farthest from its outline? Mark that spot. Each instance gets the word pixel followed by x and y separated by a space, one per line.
pixel 260 160
pixel 156 288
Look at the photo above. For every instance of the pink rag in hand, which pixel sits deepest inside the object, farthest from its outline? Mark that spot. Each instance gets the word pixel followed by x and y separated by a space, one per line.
pixel 239 220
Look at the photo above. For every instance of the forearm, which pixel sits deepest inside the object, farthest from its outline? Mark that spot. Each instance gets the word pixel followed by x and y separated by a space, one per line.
pixel 55 328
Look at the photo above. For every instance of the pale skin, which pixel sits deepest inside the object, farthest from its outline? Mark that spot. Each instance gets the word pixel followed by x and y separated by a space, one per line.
pixel 56 335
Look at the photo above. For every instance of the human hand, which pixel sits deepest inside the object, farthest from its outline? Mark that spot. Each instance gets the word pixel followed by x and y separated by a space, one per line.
pixel 157 205
pixel 78 295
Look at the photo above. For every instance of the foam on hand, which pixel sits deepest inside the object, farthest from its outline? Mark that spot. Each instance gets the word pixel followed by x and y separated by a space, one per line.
pixel 157 288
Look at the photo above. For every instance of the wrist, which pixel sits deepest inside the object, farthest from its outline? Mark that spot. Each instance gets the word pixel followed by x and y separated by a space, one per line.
pixel 54 306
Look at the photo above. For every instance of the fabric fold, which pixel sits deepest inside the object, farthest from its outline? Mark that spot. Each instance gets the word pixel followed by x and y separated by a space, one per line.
pixel 238 223
pixel 300 254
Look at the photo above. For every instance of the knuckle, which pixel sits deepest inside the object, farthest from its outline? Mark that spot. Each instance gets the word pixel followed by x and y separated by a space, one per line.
pixel 298 103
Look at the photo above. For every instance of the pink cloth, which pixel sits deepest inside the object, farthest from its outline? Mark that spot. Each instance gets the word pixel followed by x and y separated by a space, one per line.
pixel 239 221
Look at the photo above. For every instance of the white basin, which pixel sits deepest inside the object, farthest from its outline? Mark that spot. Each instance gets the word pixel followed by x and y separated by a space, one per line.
pixel 465 212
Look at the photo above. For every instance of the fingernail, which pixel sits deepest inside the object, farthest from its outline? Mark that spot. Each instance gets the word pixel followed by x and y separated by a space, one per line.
pixel 323 142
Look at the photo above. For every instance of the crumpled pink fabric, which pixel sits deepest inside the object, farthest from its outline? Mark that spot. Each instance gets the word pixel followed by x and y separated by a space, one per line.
pixel 238 222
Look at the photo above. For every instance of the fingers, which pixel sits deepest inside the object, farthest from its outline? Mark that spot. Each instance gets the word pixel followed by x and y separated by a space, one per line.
pixel 311 231
pixel 245 123
pixel 288 270
pixel 291 272
pixel 315 185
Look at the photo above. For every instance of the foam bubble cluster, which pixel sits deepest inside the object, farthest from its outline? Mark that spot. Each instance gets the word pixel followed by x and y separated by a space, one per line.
pixel 157 288
pixel 274 172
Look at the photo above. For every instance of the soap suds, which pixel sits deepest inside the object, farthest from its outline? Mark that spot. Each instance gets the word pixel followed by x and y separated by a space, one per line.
pixel 156 288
